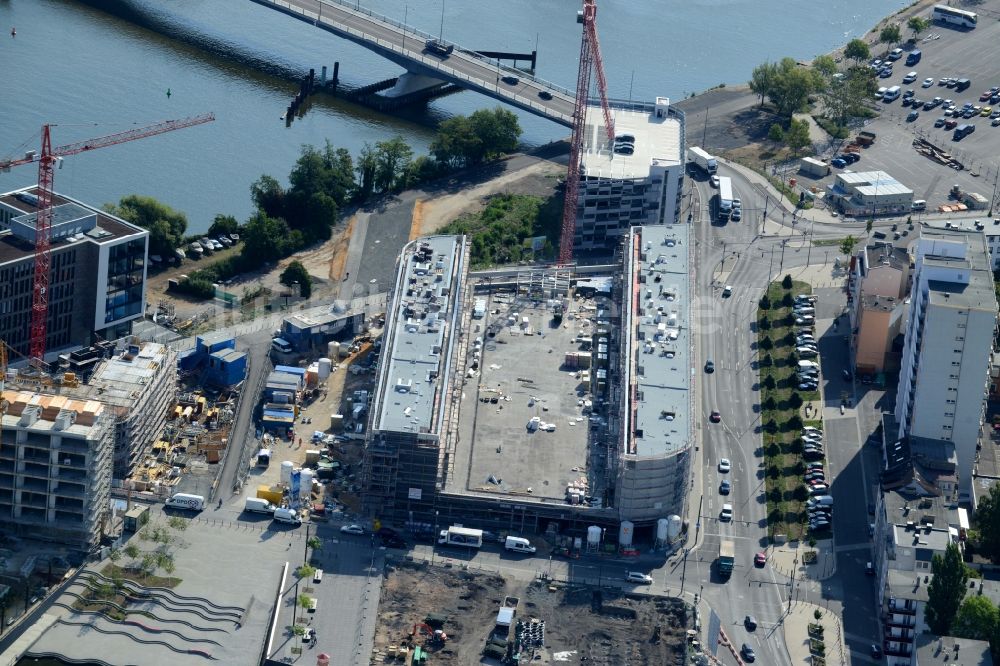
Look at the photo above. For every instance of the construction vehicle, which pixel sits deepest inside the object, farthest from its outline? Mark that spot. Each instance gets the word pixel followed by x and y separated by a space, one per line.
pixel 865 138
pixel 47 160
pixel 435 637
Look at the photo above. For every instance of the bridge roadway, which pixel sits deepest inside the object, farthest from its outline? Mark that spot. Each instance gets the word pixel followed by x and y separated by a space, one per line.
pixel 404 45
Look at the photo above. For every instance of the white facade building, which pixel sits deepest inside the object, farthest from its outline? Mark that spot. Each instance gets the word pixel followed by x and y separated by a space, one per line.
pixel 944 375
pixel 623 188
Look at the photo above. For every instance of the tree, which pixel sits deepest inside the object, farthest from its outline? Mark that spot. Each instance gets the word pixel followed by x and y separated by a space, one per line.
pixel 797 136
pixel 392 160
pixel 790 85
pixel 765 302
pixel 299 631
pixel 455 141
pixel 977 619
pixel 166 226
pixel 945 592
pixel 498 129
pixel 857 50
pixel 776 134
pixel 223 225
pixel 825 65
pixel 762 78
pixel 266 239
pixel 846 96
pixel 305 571
pixel 847 244
pixel 868 225
pixel 786 281
pixel 988 523
pixel 268 196
pixel 917 24
pixel 366 165
pixel 890 34
pixel 296 272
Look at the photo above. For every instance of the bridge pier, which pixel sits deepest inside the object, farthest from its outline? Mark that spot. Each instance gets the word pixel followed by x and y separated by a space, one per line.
pixel 409 83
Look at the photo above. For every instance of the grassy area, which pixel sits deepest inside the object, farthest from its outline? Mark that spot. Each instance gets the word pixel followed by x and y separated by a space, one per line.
pixel 501 232
pixel 781 402
pixel 828 242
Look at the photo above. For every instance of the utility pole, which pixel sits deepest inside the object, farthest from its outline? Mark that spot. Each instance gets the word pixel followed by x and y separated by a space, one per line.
pixel 704 131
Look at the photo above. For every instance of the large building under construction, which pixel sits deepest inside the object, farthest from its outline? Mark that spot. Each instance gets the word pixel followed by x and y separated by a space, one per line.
pixel 636 179
pixel 530 397
pixel 97 283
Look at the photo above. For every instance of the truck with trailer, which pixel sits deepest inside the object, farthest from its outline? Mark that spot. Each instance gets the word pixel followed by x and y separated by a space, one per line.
pixel 703 160
pixel 461 536
pixel 725 196
pixel 727 557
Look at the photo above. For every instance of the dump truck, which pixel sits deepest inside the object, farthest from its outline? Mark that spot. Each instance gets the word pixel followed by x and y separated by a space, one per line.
pixel 727 557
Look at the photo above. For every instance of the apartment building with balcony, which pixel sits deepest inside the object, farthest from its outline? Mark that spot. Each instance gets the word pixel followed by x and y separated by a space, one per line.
pixel 98 273
pixel 944 373
pixel 55 468
pixel 624 186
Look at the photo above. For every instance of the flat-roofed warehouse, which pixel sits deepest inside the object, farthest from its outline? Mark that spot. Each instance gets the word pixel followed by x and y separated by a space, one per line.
pixel 514 400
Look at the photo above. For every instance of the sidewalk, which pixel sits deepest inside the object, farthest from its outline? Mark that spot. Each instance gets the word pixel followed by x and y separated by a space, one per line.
pixel 790 558
pixel 797 638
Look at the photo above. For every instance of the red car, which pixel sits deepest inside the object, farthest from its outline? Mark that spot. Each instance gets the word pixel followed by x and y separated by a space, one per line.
pixel 760 559
pixel 985 96
pixel 715 417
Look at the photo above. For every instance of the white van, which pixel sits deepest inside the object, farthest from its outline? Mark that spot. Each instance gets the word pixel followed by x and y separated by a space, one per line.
pixel 919 204
pixel 518 545
pixel 890 94
pixel 186 501
pixel 288 516
pixel 281 345
pixel 258 505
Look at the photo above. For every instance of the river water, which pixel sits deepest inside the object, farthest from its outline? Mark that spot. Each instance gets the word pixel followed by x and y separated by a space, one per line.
pixel 95 67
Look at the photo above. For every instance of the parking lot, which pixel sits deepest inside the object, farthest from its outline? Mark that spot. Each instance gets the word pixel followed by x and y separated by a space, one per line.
pixel 947 52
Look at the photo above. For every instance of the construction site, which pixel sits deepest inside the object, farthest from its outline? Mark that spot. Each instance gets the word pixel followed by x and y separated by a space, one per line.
pixel 436 615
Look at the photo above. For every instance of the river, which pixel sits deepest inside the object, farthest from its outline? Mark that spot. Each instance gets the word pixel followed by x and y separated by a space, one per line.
pixel 95 67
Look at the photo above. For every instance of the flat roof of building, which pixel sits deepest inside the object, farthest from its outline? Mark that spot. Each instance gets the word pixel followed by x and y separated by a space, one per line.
pixel 947 650
pixel 872 183
pixel 108 227
pixel 886 254
pixel 659 328
pixel 529 368
pixel 979 293
pixel 902 508
pixel 907 584
pixel 657 142
pixel 125 375
pixel 879 303
pixel 419 325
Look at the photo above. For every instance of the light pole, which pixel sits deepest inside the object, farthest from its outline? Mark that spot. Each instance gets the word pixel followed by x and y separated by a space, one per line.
pixel 406 13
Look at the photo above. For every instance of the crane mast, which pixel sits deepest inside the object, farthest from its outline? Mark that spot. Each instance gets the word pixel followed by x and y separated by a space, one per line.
pixel 590 61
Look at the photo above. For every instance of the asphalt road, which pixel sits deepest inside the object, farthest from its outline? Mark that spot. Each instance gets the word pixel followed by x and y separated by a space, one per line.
pixel 458 67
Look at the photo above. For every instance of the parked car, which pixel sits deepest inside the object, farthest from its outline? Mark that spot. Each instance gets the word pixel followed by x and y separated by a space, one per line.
pixel 928 82
pixel 838 162
pixel 910 77
pixel 912 115
pixel 352 529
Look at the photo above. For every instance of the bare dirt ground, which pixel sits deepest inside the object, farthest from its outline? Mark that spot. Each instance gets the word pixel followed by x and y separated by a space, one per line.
pixel 581 625
pixel 540 179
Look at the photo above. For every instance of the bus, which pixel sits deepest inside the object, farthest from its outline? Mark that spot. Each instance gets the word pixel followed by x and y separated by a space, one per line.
pixel 725 198
pixel 957 17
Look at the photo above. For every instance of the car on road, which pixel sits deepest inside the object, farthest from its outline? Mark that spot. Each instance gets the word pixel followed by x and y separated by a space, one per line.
pixel 510 80
pixel 876 652
pixel 869 569
pixel 736 215
pixel 838 162
pixel 725 487
pixel 760 559
pixel 727 512
pixel 715 417
pixel 352 529
pixel 750 622
pixel 545 94
pixel 749 655
pixel 725 465
pixel 910 77
pixel 727 291
pixel 639 577
pixel 437 47
pixel 709 366
pixel 928 82
pixel 714 180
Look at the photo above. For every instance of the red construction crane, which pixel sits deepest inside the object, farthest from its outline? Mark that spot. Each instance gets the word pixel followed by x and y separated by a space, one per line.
pixel 43 218
pixel 590 59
